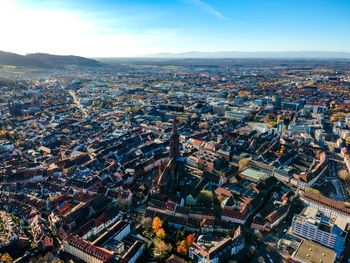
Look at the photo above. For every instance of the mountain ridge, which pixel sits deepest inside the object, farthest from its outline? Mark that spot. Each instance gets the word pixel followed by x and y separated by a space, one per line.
pixel 257 54
pixel 43 60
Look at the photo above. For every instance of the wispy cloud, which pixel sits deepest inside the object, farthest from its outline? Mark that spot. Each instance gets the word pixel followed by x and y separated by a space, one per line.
pixel 208 8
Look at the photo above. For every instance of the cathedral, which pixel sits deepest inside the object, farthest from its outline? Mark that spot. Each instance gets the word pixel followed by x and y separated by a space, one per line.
pixel 169 176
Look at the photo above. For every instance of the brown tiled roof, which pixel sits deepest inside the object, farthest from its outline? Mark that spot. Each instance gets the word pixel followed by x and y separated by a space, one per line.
pixel 234 213
pixel 327 202
pixel 175 259
pixel 90 249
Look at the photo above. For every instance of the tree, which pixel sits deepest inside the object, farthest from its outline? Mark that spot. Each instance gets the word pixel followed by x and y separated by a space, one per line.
pixel 165 224
pixel 338 116
pixel 123 203
pixel 261 259
pixel 6 258
pixel 243 163
pixel 204 125
pixel 252 250
pixel 312 190
pixel 269 119
pixel 205 198
pixel 220 198
pixel 181 250
pixel 179 236
pixel 146 223
pixel 344 174
pixel 184 243
pixel 157 224
pixel 259 236
pixel 190 239
pixel 161 249
pixel 160 233
pixel 243 93
pixel 43 259
pixel 269 248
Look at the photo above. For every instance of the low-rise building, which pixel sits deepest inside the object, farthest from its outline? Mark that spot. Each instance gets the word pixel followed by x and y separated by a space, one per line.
pixel 85 251
pixel 326 205
pixel 218 253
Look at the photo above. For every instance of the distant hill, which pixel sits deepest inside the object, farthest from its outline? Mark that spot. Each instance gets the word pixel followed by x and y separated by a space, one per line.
pixel 267 54
pixel 54 60
pixel 12 59
pixel 42 60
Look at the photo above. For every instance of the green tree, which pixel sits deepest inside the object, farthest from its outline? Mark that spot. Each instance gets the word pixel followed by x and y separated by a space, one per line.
pixel 205 198
pixel 123 203
pixel 179 236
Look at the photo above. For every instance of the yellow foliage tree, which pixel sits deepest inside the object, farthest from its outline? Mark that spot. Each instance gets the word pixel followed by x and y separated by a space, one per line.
pixel 312 190
pixel 344 174
pixel 160 233
pixel 204 125
pixel 6 258
pixel 243 163
pixel 161 249
pixel 347 140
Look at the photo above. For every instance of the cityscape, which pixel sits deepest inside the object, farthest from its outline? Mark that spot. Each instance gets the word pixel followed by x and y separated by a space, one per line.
pixel 205 156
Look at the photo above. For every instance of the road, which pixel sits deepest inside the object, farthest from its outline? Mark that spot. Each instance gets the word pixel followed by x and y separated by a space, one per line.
pixel 77 102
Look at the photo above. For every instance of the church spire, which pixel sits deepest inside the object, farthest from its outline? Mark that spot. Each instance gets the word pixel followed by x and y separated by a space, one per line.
pixel 174 141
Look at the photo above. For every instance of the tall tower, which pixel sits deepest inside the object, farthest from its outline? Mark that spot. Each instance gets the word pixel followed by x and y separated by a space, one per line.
pixel 174 142
pixel 276 100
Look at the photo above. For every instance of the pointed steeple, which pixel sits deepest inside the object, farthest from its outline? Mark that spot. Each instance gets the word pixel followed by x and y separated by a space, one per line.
pixel 174 142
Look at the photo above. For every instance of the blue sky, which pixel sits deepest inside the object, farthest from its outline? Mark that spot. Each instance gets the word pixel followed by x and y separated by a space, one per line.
pixel 139 27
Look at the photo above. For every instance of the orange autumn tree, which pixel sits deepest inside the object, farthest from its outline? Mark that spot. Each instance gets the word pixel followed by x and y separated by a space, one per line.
pixel 190 239
pixel 181 250
pixel 185 245
pixel 157 224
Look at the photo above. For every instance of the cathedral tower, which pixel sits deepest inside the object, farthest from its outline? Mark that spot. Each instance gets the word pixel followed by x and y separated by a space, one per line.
pixel 174 142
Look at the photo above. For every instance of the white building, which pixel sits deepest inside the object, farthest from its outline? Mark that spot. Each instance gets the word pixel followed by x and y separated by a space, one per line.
pixel 326 205
pixel 313 225
pixel 86 251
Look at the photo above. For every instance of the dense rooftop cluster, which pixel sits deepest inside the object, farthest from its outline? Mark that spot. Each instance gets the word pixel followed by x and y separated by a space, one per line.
pixel 176 161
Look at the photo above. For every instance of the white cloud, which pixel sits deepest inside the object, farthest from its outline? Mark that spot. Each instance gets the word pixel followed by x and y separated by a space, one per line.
pixel 208 8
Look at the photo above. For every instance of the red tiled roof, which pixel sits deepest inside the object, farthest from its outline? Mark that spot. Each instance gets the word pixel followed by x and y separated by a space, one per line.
pixel 223 191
